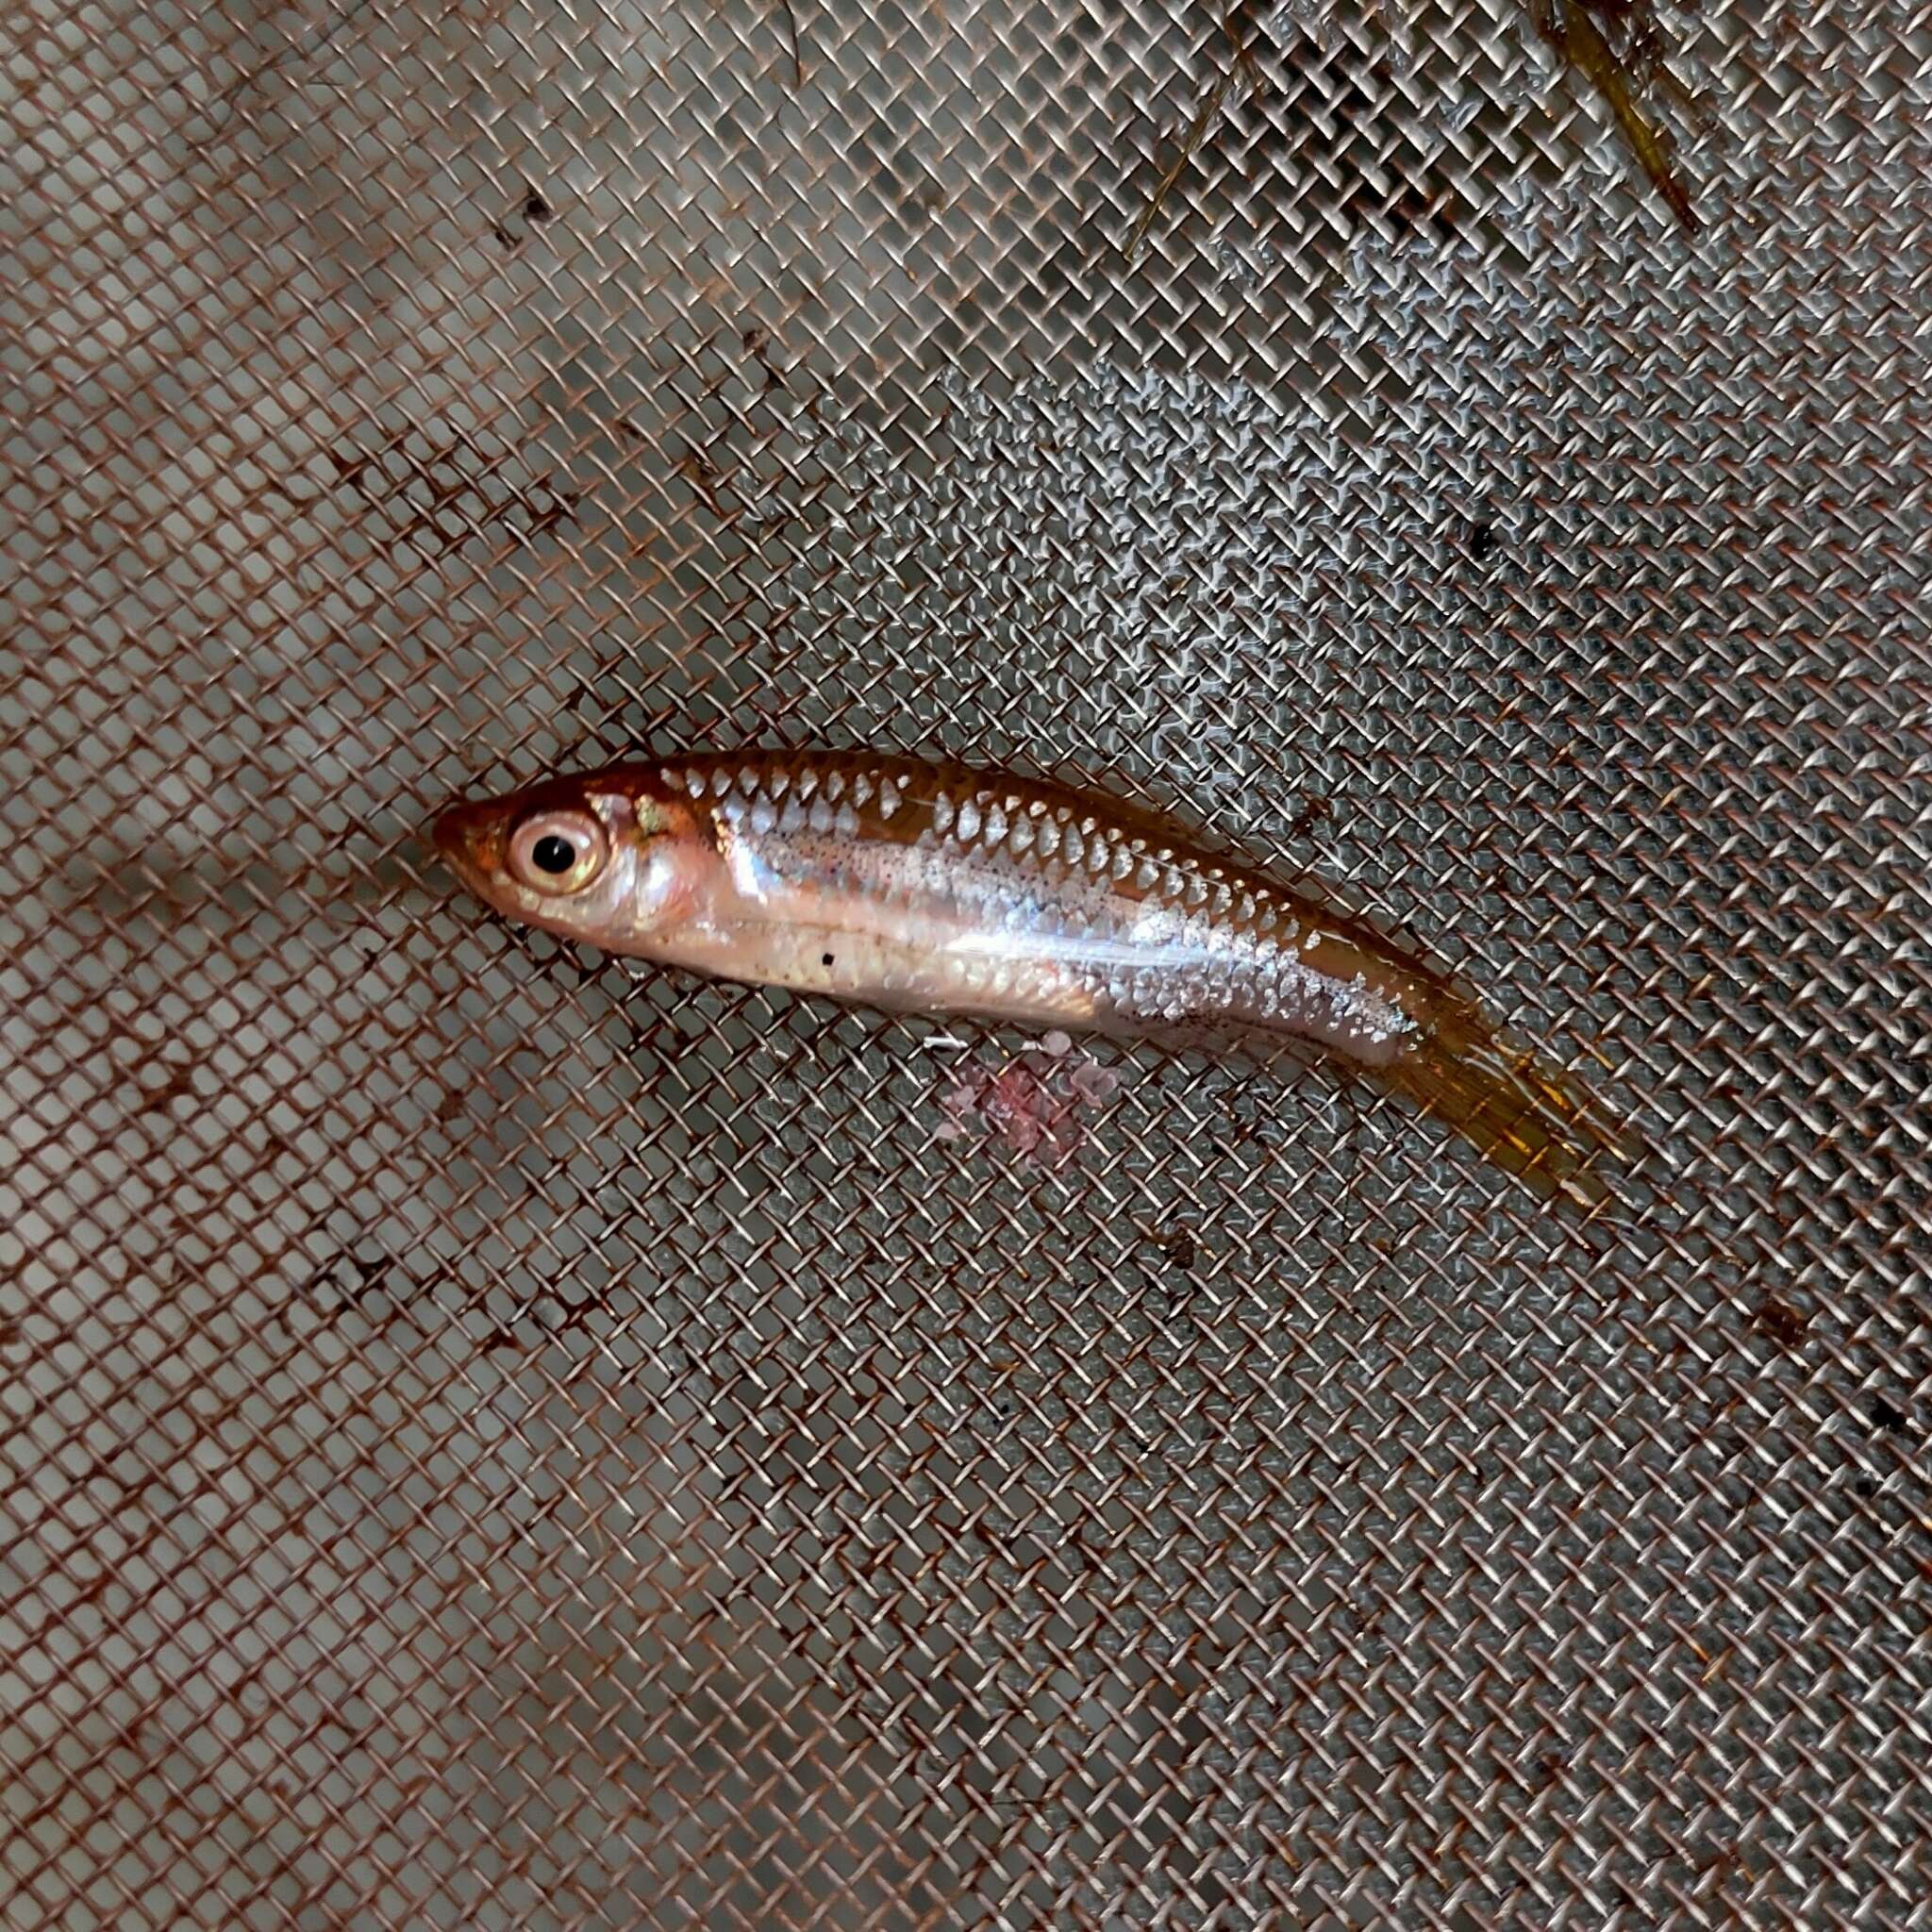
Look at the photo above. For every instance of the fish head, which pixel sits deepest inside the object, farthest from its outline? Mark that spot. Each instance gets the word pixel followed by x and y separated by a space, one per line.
pixel 603 858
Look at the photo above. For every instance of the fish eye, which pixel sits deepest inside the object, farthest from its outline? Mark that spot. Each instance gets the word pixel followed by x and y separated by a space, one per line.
pixel 557 852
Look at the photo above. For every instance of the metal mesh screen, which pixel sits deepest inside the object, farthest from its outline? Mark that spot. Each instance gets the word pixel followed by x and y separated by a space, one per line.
pixel 490 1437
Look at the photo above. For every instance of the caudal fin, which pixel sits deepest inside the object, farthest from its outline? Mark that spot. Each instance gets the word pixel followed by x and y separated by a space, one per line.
pixel 1522 1114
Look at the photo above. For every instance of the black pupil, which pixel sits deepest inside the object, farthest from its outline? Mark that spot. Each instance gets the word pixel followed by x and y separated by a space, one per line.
pixel 553 854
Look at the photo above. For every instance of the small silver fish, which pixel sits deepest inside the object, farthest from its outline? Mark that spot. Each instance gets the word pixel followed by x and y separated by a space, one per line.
pixel 943 890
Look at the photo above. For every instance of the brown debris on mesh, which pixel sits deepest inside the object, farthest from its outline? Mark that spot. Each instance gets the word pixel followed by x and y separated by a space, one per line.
pixel 1346 145
pixel 1236 27
pixel 1618 46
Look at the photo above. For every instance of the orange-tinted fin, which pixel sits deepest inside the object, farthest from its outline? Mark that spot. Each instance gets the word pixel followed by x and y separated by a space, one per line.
pixel 1520 1112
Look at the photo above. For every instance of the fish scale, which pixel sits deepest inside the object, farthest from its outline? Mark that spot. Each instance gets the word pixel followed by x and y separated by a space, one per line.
pixel 1167 951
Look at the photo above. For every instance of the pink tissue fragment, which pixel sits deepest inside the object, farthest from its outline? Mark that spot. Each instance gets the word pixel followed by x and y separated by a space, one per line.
pixel 1033 1106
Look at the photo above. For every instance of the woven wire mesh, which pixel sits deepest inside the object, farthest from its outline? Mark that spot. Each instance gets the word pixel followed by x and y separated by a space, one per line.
pixel 494 1438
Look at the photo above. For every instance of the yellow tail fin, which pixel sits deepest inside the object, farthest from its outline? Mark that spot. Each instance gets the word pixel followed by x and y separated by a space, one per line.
pixel 1522 1114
